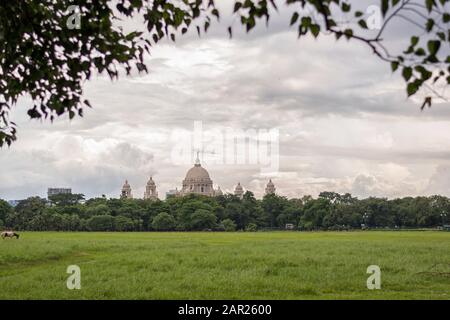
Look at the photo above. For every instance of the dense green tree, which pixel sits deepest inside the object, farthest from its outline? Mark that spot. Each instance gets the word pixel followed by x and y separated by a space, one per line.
pixel 314 213
pixel 97 210
pixel 185 213
pixel 122 223
pixel 5 209
pixel 253 212
pixel 330 211
pixel 101 223
pixel 66 199
pixel 273 205
pixel 228 225
pixel 163 222
pixel 251 227
pixel 152 209
pixel 25 211
pixel 203 220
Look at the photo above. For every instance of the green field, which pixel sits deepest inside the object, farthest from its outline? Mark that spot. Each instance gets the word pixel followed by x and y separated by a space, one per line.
pixel 262 265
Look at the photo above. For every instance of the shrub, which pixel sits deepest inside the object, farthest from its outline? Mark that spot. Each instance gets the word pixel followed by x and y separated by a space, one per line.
pixel 101 223
pixel 203 220
pixel 251 227
pixel 229 225
pixel 122 223
pixel 163 221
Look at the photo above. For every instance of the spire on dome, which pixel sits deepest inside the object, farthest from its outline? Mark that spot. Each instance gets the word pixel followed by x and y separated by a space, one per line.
pixel 197 161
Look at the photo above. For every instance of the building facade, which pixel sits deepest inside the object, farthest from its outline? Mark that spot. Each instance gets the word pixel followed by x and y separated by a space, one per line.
pixel 196 181
pixel 55 191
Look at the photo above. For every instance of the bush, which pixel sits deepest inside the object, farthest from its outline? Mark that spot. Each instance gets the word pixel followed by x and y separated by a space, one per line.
pixel 122 223
pixel 229 225
pixel 98 210
pixel 203 220
pixel 101 223
pixel 163 221
pixel 251 227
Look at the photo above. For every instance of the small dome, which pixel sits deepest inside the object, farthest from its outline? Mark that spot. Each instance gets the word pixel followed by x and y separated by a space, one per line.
pixel 270 183
pixel 239 187
pixel 126 184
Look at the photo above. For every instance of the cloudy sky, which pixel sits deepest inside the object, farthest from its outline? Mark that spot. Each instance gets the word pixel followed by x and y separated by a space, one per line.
pixel 343 119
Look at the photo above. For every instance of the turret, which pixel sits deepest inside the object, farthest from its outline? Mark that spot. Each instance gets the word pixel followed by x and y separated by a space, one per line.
pixel 239 191
pixel 270 188
pixel 126 191
pixel 150 190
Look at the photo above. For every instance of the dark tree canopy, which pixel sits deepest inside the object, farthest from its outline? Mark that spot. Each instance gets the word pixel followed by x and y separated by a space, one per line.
pixel 330 211
pixel 50 48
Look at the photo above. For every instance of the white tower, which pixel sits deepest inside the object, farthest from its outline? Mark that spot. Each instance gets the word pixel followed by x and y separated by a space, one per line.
pixel 239 191
pixel 126 191
pixel 270 188
pixel 150 190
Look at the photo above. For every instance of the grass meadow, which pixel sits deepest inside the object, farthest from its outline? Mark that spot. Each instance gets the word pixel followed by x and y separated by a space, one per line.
pixel 241 265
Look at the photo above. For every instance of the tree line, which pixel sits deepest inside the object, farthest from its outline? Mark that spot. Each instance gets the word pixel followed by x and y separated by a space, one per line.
pixel 329 211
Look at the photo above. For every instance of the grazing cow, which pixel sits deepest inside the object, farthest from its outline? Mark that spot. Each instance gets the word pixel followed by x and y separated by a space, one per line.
pixel 9 234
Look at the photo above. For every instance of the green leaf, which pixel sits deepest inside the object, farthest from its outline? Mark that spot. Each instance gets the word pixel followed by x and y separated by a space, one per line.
pixel 429 25
pixel 315 29
pixel 363 23
pixel 429 4
pixel 345 7
pixel 294 18
pixel 237 6
pixel 215 13
pixel 348 33
pixel 425 74
pixel 420 52
pixel 394 65
pixel 306 21
pixel 412 88
pixel 407 73
pixel 384 7
pixel 433 46
pixel 446 17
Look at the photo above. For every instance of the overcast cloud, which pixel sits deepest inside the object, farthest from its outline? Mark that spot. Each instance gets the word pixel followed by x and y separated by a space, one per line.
pixel 344 121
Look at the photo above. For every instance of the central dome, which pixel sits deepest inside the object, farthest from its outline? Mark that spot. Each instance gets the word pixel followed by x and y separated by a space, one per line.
pixel 197 181
pixel 197 172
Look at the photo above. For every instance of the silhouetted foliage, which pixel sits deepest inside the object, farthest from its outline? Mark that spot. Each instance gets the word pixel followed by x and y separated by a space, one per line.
pixel 329 211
